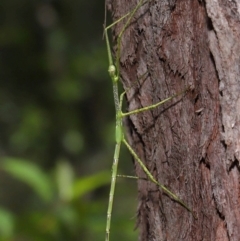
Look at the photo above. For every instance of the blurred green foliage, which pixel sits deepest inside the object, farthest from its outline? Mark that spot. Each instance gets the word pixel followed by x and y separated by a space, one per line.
pixel 60 209
pixel 57 125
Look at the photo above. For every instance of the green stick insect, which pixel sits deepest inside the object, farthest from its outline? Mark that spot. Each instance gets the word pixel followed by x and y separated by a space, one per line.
pixel 114 73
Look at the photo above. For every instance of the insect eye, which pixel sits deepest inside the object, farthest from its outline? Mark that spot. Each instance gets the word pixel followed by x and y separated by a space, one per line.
pixel 112 70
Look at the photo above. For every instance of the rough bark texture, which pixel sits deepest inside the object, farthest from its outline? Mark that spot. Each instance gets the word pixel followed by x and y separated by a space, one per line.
pixel 191 144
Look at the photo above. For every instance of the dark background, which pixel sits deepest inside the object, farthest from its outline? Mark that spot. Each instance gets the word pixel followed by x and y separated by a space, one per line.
pixel 57 125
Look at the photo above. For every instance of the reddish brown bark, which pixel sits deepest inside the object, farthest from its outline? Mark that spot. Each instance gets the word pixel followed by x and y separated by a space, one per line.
pixel 191 144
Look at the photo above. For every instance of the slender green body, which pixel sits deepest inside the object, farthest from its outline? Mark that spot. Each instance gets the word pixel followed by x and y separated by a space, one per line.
pixel 119 135
pixel 114 74
pixel 118 139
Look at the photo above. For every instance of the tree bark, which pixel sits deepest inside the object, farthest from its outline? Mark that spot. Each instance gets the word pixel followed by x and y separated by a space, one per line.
pixel 192 143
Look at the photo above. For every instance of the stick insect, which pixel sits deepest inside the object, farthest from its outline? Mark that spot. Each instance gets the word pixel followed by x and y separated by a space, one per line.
pixel 114 73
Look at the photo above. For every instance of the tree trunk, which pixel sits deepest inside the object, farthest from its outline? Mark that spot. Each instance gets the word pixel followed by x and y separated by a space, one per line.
pixel 192 143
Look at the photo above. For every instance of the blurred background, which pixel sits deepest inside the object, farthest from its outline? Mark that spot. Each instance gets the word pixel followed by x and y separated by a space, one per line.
pixel 57 125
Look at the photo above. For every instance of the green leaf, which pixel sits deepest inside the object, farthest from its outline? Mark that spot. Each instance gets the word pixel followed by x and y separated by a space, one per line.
pixel 7 221
pixel 87 184
pixel 31 174
pixel 64 179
